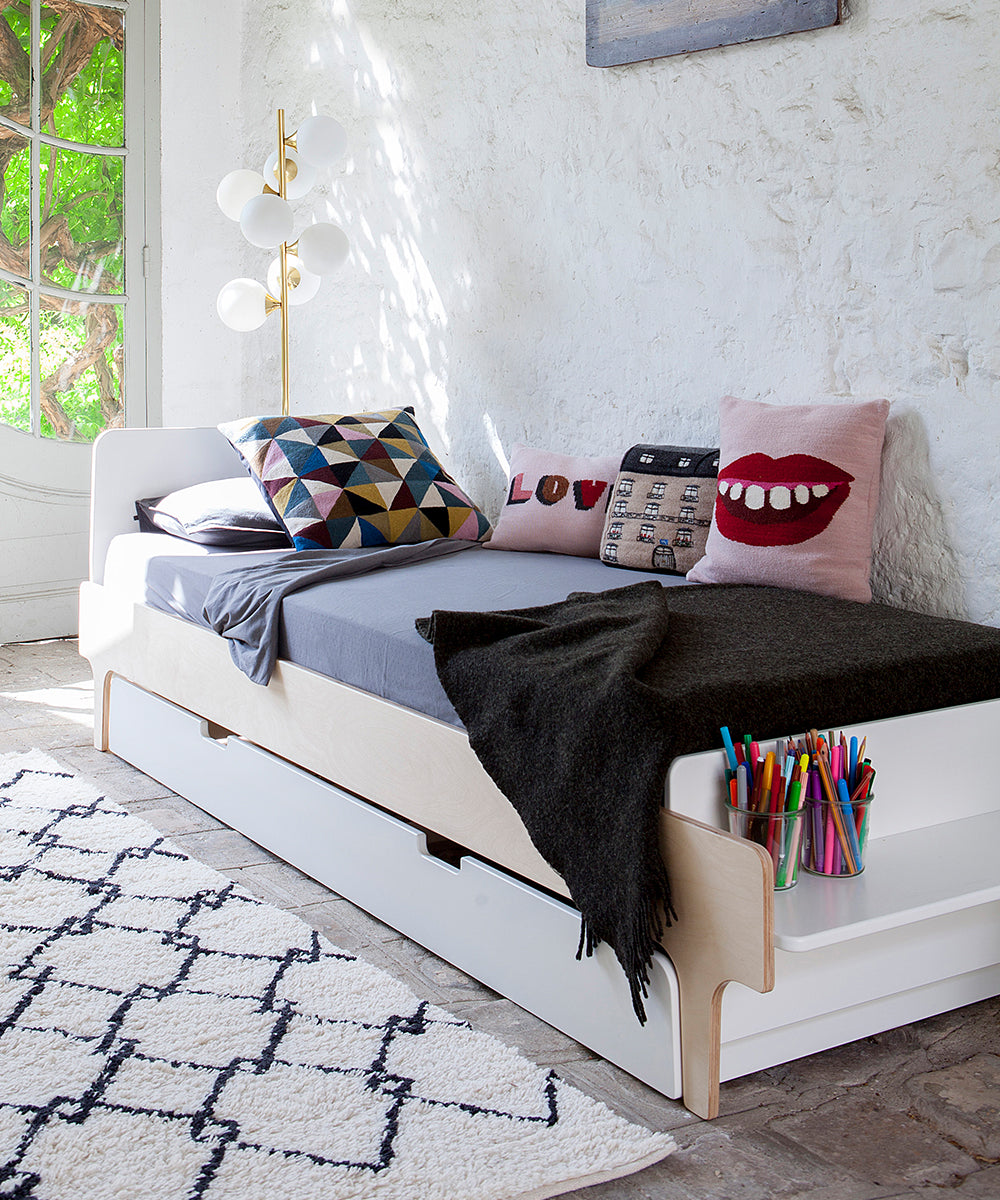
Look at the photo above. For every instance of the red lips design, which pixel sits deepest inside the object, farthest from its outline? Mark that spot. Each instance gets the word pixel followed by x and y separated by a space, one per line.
pixel 766 501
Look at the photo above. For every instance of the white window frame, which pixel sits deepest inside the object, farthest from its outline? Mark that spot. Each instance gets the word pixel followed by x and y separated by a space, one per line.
pixel 141 154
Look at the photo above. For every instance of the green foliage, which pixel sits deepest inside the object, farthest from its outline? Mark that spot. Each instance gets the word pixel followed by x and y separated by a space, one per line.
pixel 92 108
pixel 15 371
pixel 14 220
pixel 62 335
pixel 82 207
pixel 88 190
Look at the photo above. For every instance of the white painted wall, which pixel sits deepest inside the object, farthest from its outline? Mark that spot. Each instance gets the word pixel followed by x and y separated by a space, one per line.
pixel 200 106
pixel 585 258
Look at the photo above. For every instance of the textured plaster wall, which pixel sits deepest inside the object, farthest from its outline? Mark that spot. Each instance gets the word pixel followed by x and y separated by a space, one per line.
pixel 583 258
pixel 200 107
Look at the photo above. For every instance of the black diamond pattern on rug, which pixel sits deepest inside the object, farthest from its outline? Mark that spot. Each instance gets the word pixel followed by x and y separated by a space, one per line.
pixel 160 1007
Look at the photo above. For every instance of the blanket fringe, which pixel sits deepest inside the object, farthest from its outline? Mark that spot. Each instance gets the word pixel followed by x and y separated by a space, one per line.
pixel 655 913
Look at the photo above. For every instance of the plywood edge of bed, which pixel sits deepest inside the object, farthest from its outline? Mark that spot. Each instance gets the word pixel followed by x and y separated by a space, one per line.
pixel 723 890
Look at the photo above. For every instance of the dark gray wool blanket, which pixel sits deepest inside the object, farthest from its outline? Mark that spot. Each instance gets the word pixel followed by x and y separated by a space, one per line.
pixel 576 709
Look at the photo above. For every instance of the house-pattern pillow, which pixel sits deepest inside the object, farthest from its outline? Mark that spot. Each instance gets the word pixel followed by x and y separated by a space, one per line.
pixel 554 502
pixel 796 498
pixel 661 508
pixel 353 480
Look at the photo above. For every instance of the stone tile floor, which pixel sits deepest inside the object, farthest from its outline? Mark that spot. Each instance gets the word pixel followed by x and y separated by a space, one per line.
pixel 914 1112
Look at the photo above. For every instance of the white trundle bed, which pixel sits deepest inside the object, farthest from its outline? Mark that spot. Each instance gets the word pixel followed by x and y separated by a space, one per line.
pixel 420 837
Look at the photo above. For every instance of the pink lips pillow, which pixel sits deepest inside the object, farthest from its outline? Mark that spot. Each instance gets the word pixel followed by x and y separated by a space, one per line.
pixel 797 492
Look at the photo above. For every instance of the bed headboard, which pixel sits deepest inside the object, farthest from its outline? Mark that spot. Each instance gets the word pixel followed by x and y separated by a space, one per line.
pixel 132 464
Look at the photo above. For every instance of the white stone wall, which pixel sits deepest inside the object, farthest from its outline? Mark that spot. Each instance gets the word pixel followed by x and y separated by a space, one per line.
pixel 200 107
pixel 584 258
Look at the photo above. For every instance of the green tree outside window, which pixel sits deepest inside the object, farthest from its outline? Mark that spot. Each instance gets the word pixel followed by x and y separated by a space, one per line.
pixel 75 212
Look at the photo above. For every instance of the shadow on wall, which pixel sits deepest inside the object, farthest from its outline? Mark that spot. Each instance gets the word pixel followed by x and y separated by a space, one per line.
pixel 914 564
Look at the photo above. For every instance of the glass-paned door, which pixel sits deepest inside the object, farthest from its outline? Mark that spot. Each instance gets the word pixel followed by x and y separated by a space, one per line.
pixel 72 288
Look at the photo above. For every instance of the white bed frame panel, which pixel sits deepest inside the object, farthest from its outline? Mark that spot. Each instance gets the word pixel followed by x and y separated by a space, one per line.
pixel 384 865
pixel 289 766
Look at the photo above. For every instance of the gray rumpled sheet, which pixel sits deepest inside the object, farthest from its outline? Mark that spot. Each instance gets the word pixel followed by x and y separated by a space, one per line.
pixel 244 605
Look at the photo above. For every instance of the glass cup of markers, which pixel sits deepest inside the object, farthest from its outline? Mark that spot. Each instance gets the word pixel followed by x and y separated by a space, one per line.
pixel 765 801
pixel 806 801
pixel 837 807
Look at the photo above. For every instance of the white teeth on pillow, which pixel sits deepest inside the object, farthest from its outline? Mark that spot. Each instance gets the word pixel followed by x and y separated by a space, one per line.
pixel 778 497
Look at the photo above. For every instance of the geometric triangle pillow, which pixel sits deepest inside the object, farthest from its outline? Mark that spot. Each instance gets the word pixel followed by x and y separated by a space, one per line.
pixel 354 480
pixel 797 491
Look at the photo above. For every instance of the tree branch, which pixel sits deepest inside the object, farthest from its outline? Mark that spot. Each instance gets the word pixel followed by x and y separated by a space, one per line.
pixel 102 328
pixel 15 67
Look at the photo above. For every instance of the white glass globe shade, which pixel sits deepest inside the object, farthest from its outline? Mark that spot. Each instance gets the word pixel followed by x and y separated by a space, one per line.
pixel 300 175
pixel 321 140
pixel 241 305
pixel 323 247
pixel 302 283
pixel 236 189
pixel 266 221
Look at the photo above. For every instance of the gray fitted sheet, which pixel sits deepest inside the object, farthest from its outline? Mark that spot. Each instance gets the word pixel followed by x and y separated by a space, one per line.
pixel 360 629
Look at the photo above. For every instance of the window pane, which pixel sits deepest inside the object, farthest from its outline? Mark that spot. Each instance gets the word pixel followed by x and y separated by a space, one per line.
pixel 82 73
pixel 66 222
pixel 15 230
pixel 82 200
pixel 15 64
pixel 82 77
pixel 15 357
pixel 82 364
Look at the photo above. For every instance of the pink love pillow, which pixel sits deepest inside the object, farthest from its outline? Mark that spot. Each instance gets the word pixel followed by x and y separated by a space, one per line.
pixel 797 492
pixel 555 502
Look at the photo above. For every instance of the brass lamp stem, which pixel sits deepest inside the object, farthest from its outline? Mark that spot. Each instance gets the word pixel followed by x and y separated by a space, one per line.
pixel 283 252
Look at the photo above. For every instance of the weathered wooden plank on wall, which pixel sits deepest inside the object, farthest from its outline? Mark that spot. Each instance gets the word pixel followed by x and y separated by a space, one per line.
pixel 625 31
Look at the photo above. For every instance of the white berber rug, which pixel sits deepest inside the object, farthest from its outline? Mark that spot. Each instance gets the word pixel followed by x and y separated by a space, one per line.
pixel 164 1035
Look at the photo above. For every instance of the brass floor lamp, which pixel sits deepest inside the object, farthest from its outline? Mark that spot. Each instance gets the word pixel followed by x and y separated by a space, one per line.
pixel 259 200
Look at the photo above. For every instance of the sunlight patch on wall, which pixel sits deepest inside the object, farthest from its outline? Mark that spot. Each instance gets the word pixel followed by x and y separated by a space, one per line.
pixel 392 308
pixel 496 445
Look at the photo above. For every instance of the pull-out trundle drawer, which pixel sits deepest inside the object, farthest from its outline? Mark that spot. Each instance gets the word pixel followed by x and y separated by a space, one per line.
pixel 511 936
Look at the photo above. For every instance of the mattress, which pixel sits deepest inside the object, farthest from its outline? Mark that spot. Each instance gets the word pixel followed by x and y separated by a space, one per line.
pixel 360 630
